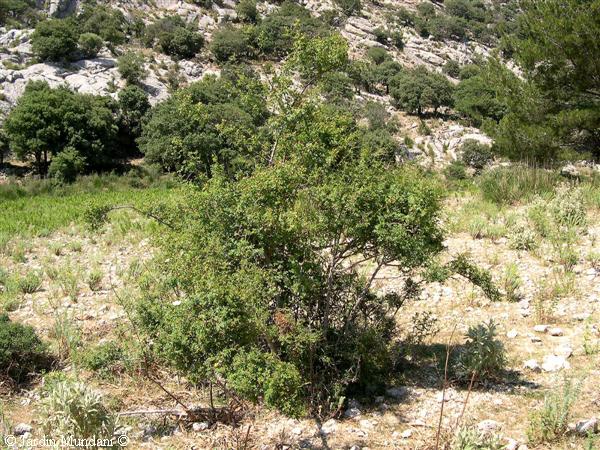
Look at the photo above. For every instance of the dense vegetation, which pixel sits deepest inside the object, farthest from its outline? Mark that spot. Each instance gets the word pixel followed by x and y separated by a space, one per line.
pixel 291 186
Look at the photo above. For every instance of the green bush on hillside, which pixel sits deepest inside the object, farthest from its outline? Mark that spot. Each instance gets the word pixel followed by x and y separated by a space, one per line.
pixel 90 44
pixel 22 353
pixel 55 39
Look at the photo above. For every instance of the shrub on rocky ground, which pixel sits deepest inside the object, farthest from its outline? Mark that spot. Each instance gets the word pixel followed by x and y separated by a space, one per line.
pixel 483 355
pixel 22 353
pixel 71 409
pixel 475 154
pixel 550 422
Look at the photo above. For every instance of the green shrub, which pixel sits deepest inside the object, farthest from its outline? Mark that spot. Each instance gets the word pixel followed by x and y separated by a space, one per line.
pixel 377 54
pixel 229 43
pixel 349 7
pixel 131 67
pixel 256 374
pixel 550 422
pixel 452 68
pixel 106 359
pixel 71 409
pixel 482 356
pixel 105 21
pixel 275 34
pixel 381 35
pixel 247 11
pixel 66 166
pixel 182 43
pixel 90 44
pixel 29 283
pixel 456 171
pixel 476 155
pixel 21 351
pixel 55 39
pixel 419 89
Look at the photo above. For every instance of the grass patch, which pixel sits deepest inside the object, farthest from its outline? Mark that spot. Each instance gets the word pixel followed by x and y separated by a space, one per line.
pixel 39 207
pixel 515 184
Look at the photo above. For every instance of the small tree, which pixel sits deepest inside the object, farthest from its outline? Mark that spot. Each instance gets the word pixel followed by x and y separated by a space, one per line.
pixel 181 43
pixel 229 43
pixel 131 67
pixel 419 89
pixel 247 11
pixel 55 39
pixel 475 155
pixel 378 55
pixel 90 44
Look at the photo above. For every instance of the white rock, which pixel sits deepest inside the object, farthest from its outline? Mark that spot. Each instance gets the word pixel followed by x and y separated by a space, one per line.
pixel 553 363
pixel 406 434
pixel 587 426
pixel 581 317
pixel 488 426
pixel 511 444
pixel 532 364
pixel 22 428
pixel 329 427
pixel 556 331
pixel 512 334
pixel 200 426
pixel 352 412
pixel 563 350
pixel 540 328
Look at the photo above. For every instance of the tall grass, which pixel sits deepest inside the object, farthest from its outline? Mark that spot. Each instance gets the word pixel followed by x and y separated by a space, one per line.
pixel 39 207
pixel 510 185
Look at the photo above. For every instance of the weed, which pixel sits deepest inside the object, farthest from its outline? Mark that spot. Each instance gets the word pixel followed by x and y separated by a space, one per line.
pixel 550 422
pixel 30 283
pixel 72 409
pixel 68 281
pixel 591 343
pixel 470 438
pixel 94 279
pixel 482 356
pixel 511 282
pixel 66 335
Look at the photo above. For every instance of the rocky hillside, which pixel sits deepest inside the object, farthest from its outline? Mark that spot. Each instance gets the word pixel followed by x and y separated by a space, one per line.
pixel 371 27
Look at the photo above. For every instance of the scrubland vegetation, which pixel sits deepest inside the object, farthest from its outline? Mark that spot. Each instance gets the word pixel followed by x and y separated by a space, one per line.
pixel 279 257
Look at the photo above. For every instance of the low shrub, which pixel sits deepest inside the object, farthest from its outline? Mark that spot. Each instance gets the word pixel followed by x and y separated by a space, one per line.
pixel 71 409
pixel 131 67
pixel 247 11
pixel 65 166
pixel 470 438
pixel 90 44
pixel 456 171
pixel 483 356
pixel 106 359
pixel 349 7
pixel 476 155
pixel 229 43
pixel 550 422
pixel 55 39
pixel 21 351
